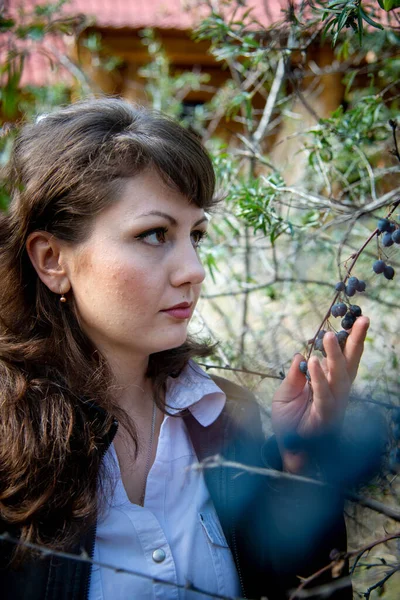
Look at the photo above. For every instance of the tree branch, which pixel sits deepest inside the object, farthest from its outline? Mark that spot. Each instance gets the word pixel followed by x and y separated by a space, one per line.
pixel 270 104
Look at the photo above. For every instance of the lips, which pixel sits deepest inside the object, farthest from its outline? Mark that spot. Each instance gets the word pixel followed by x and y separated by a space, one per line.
pixel 181 305
pixel 179 311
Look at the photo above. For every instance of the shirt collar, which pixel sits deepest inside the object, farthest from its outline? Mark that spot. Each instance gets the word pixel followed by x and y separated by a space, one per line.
pixel 194 389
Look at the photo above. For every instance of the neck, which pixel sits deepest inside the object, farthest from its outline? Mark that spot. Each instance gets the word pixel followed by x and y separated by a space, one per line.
pixel 132 389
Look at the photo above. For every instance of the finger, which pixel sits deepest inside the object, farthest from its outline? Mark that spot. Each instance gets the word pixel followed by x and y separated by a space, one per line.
pixel 323 399
pixel 294 382
pixel 338 377
pixel 324 365
pixel 355 345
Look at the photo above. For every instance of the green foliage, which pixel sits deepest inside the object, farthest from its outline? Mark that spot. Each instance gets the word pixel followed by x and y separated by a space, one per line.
pixel 347 142
pixel 252 199
pixel 100 55
pixel 11 71
pixel 23 33
pixel 31 26
pixel 254 202
pixel 49 9
pixel 166 90
pixel 340 14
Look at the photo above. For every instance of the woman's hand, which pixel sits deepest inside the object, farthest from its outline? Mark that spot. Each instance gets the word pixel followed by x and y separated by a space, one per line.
pixel 308 410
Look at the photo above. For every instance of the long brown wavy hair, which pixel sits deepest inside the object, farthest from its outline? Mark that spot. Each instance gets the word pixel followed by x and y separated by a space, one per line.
pixel 64 170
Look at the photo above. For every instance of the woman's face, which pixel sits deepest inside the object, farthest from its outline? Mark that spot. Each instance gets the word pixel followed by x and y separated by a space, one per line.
pixel 140 260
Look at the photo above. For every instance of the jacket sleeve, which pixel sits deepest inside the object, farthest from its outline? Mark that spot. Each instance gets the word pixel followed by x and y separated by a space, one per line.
pixel 306 526
pixel 282 530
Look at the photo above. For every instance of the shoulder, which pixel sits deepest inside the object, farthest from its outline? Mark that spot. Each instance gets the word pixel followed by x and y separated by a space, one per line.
pixel 234 391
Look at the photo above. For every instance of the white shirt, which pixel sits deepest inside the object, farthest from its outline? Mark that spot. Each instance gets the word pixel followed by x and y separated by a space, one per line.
pixel 178 525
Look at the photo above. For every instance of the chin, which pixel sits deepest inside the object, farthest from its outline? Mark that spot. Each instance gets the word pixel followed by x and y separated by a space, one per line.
pixel 172 341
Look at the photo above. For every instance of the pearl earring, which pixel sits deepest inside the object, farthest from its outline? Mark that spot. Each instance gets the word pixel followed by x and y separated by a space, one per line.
pixel 63 298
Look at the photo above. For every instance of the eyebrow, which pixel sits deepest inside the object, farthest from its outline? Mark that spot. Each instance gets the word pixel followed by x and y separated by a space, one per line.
pixel 173 221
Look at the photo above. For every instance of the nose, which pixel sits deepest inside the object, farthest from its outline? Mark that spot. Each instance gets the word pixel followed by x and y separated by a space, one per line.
pixel 187 267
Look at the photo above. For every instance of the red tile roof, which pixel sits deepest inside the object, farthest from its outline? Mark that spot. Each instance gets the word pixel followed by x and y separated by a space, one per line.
pixel 170 14
pixel 135 14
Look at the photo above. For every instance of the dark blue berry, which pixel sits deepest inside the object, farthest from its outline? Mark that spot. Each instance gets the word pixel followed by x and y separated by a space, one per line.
pixel 339 310
pixel 388 272
pixel 355 310
pixel 379 266
pixel 392 227
pixel 387 239
pixel 348 321
pixel 340 286
pixel 321 333
pixel 319 345
pixel 396 236
pixel 353 281
pixel 303 366
pixel 342 337
pixel 383 224
pixel 361 286
pixel 350 290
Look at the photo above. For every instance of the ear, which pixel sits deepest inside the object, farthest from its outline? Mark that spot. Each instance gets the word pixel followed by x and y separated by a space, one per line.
pixel 45 250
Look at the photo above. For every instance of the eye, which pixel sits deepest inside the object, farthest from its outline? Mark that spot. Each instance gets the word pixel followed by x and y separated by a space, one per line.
pixel 198 237
pixel 153 237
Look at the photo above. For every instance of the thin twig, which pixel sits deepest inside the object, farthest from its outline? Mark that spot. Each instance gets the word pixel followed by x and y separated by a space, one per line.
pixel 243 370
pixel 217 461
pixel 341 556
pixel 323 591
pixel 246 298
pixel 381 582
pixel 84 558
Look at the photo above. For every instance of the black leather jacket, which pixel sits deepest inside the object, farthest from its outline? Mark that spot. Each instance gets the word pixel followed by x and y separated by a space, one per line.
pixel 277 530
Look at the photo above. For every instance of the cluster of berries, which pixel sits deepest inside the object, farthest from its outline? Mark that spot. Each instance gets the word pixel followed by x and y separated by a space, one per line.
pixel 353 285
pixel 349 314
pixel 394 455
pixel 390 232
pixel 380 266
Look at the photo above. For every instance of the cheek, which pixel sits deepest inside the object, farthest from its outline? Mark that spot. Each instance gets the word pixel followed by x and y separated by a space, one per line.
pixel 127 285
pixel 118 286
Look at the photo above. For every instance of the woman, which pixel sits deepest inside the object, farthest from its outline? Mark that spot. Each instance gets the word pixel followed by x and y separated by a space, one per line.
pixel 100 276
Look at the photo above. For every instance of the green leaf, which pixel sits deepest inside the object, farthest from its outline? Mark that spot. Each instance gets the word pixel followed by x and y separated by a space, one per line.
pixel 250 41
pixel 209 259
pixel 368 19
pixel 360 25
pixel 49 9
pixel 6 23
pixel 389 5
pixel 350 78
pixel 36 32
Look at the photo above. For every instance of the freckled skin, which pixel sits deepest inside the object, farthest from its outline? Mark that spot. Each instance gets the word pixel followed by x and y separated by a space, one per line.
pixel 120 283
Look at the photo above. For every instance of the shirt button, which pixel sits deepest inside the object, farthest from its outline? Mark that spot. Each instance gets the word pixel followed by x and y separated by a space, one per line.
pixel 158 555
